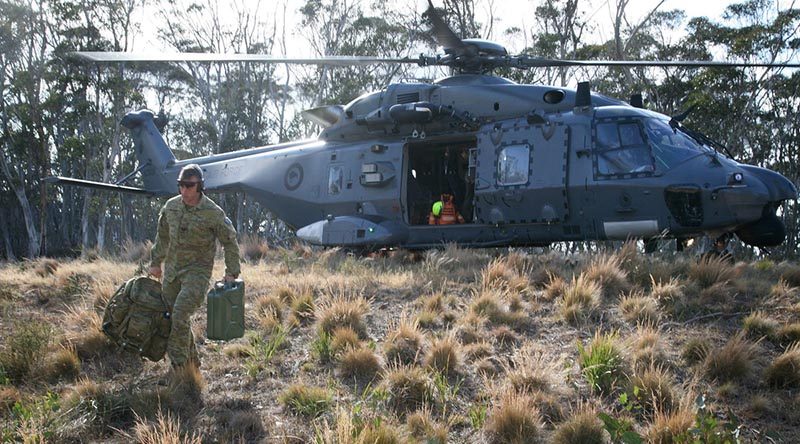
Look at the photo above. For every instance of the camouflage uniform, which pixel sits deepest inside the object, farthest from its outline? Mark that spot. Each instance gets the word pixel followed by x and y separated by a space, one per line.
pixel 186 244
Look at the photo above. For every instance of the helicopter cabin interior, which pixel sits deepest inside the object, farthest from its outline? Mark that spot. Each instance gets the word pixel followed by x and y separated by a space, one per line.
pixel 435 168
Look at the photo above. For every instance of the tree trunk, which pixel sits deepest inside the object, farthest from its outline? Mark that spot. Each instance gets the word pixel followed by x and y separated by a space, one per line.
pixel 6 238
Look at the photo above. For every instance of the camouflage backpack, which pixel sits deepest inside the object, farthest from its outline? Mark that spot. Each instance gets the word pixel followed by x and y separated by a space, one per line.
pixel 137 318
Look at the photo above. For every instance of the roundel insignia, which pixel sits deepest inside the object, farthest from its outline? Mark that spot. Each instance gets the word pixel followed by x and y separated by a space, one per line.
pixel 293 177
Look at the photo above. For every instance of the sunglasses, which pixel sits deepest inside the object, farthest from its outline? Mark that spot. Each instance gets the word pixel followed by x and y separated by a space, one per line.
pixel 186 184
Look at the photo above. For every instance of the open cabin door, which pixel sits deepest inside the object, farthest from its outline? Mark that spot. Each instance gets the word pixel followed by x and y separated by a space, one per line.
pixel 521 173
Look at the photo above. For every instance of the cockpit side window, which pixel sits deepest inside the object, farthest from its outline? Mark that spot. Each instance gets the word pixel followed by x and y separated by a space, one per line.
pixel 513 162
pixel 621 149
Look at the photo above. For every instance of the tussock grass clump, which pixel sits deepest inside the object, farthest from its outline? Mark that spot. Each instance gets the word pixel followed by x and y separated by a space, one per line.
pixel 647 347
pixel 555 287
pixel 269 312
pixel 639 309
pixel 61 364
pixel 341 311
pixel 784 371
pixel 504 336
pixel 45 267
pixel 424 428
pixel 733 361
pixel 781 290
pixel 789 333
pixel 602 363
pixel 344 339
pixel 471 328
pixel 184 395
pixel 379 433
pixel 581 300
pixel 133 251
pixel 582 427
pixel 97 408
pixel 306 400
pixel 791 274
pixel 758 325
pixel 695 350
pixel 166 429
pixel 444 355
pixel 238 350
pixel 492 305
pixel 25 349
pixel 529 372
pixel 671 427
pixel 408 388
pixel 8 397
pixel 477 350
pixel 252 248
pixel 666 292
pixel 359 364
pixel 609 274
pixel 514 420
pixel 302 306
pixel 654 389
pixel 497 274
pixel 403 343
pixel 708 272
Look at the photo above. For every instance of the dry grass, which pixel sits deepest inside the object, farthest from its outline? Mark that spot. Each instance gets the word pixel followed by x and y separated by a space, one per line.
pixel 555 288
pixel 269 312
pixel 733 361
pixel 444 355
pixel 582 426
pixel 530 371
pixel 403 343
pixel 758 325
pixel 493 305
pixel 695 350
pixel 581 300
pixel 25 350
pixel 602 362
pixel 672 427
pixel 302 305
pixel 63 363
pixel 361 365
pixel 789 333
pixel 647 347
pixel 654 389
pixel 343 311
pixel 344 339
pixel 639 309
pixel 408 388
pixel 514 420
pixel 609 274
pixel 166 429
pixel 708 272
pixel 424 428
pixel 784 371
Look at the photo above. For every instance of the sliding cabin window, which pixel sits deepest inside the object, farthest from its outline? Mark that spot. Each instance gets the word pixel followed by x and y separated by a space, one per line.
pixel 513 162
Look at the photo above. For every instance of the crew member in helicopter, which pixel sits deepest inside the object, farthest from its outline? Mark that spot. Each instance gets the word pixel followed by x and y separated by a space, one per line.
pixel 188 227
pixel 444 212
pixel 719 251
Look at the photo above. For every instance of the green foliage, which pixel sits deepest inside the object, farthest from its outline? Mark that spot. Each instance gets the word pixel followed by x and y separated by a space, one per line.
pixel 477 415
pixel 602 363
pixel 620 429
pixel 321 347
pixel 305 400
pixel 264 350
pixel 24 349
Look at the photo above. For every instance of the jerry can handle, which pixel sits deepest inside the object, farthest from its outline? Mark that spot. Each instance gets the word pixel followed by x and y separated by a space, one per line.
pixel 222 285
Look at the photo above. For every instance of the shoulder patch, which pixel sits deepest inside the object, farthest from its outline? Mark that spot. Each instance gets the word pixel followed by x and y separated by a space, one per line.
pixel 228 221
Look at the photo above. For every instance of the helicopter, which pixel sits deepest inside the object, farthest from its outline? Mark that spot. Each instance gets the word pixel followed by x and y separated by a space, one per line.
pixel 523 165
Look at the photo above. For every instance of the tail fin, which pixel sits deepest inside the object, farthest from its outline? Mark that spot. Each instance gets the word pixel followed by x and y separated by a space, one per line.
pixel 152 152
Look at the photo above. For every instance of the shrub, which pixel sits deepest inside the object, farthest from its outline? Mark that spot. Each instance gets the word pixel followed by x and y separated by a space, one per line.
pixel 407 388
pixel 733 361
pixel 582 427
pixel 601 362
pixel 514 420
pixel 25 349
pixel 784 371
pixel 403 343
pixel 359 364
pixel 305 400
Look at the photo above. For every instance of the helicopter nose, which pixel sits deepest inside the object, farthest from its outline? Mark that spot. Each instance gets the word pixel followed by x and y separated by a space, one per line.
pixel 779 188
pixel 764 192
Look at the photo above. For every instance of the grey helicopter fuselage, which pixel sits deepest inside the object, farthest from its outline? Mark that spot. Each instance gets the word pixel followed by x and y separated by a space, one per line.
pixel 527 165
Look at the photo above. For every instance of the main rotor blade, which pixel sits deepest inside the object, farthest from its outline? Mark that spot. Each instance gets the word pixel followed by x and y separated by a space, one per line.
pixel 443 34
pixel 535 62
pixel 118 57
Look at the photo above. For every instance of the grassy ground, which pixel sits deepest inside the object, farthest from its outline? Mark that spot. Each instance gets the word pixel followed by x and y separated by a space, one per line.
pixel 449 345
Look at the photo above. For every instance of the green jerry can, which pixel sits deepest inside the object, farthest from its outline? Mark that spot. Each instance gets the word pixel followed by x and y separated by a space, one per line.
pixel 226 310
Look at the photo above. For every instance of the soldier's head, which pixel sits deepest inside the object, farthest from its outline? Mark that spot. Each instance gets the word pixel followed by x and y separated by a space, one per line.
pixel 190 181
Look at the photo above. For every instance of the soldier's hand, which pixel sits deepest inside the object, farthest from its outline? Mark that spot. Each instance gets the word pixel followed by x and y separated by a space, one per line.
pixel 229 278
pixel 156 272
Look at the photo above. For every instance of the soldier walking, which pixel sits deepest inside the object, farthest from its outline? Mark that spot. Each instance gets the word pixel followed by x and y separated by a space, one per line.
pixel 188 226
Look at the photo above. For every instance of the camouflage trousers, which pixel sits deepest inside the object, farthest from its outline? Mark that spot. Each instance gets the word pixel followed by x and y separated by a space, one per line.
pixel 185 293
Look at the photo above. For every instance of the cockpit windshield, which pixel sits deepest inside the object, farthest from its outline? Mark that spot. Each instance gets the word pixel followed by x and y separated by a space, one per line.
pixel 672 146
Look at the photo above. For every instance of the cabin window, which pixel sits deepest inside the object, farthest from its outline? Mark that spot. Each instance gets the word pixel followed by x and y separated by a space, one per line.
pixel 335 179
pixel 512 165
pixel 621 149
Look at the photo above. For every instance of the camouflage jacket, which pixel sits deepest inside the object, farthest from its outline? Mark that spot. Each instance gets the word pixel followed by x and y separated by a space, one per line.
pixel 186 235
